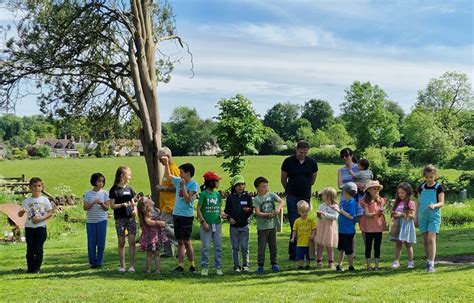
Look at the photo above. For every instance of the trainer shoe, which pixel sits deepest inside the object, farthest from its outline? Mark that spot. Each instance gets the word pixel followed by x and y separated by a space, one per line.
pixel 411 265
pixel 219 272
pixel 260 270
pixel 192 269
pixel 431 268
pixel 319 265
pixel 245 269
pixel 275 268
pixel 332 266
pixel 178 269
pixel 339 268
pixel 395 264
pixel 307 267
pixel 351 268
pixel 236 269
pixel 131 270
pixel 122 270
pixel 300 267
pixel 204 272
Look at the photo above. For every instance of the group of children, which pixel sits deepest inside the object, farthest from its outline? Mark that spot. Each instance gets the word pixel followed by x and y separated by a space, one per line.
pixel 335 226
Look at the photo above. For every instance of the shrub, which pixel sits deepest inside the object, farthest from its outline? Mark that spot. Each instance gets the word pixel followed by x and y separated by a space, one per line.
pixel 378 162
pixel 326 155
pixel 458 214
pixel 396 156
pixel 461 158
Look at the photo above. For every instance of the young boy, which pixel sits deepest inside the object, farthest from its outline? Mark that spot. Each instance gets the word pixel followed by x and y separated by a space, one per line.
pixel 183 211
pixel 347 220
pixel 363 176
pixel 304 230
pixel 38 209
pixel 267 222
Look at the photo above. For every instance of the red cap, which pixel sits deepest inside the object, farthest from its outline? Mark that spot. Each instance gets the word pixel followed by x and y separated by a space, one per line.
pixel 210 175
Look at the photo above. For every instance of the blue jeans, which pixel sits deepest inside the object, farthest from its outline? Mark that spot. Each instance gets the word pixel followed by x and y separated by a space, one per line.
pixel 214 234
pixel 291 202
pixel 239 238
pixel 96 233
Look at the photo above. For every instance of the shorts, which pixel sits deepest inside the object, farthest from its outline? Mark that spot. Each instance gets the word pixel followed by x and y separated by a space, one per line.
pixel 429 222
pixel 183 227
pixel 301 252
pixel 346 243
pixel 122 224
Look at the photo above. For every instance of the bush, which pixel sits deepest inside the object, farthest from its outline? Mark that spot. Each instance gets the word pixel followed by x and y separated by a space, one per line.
pixel 326 155
pixel 458 214
pixel 378 162
pixel 396 156
pixel 422 157
pixel 461 158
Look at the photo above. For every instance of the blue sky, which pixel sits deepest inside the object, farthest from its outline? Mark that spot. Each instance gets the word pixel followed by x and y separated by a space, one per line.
pixel 277 51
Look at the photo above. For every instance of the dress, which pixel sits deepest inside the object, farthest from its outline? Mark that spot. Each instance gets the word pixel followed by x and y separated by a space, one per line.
pixel 326 231
pixel 153 237
pixel 407 226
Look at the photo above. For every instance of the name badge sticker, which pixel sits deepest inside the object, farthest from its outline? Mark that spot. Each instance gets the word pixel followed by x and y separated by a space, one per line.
pixel 243 202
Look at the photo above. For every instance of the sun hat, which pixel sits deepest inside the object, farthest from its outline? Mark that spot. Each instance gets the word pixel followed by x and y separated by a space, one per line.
pixel 210 176
pixel 349 186
pixel 373 183
pixel 236 180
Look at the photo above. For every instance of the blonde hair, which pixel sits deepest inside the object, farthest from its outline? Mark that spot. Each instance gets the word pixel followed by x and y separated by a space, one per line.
pixel 330 193
pixel 143 209
pixel 429 169
pixel 302 205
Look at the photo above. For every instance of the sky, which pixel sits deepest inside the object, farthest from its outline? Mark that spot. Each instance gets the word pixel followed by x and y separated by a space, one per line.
pixel 275 51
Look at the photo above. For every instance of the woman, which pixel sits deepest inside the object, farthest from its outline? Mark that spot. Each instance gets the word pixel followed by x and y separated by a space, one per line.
pixel 343 175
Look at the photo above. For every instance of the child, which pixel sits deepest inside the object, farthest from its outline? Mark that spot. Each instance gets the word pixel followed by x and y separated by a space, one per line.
pixel 430 200
pixel 153 231
pixel 304 230
pixel 96 204
pixel 362 176
pixel 373 221
pixel 183 211
pixel 122 202
pixel 267 222
pixel 326 233
pixel 38 209
pixel 238 208
pixel 347 220
pixel 209 215
pixel 403 213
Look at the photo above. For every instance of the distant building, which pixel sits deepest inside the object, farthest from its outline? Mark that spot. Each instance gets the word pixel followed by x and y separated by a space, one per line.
pixel 209 150
pixel 126 147
pixel 64 148
pixel 3 151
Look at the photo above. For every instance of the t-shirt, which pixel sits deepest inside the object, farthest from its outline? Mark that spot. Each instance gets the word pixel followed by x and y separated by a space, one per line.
pixel 122 195
pixel 303 228
pixel 363 176
pixel 181 207
pixel 300 176
pixel 266 204
pixel 346 225
pixel 211 206
pixel 167 198
pixel 401 206
pixel 96 213
pixel 345 175
pixel 439 190
pixel 36 207
pixel 373 224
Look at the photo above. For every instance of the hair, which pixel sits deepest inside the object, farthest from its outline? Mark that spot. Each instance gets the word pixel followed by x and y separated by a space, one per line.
pixel 347 152
pixel 95 177
pixel 118 174
pixel 259 181
pixel 429 169
pixel 351 192
pixel 232 190
pixel 209 184
pixel 330 193
pixel 143 209
pixel 187 168
pixel 165 151
pixel 408 189
pixel 364 163
pixel 302 205
pixel 302 144
pixel 35 180
pixel 368 198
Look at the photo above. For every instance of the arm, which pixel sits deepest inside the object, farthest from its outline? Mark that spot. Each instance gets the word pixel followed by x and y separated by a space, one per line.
pixel 339 179
pixel 21 212
pixel 151 222
pixel 313 234
pixel 440 203
pixel 313 178
pixel 88 205
pixel 262 214
pixel 367 213
pixel 332 216
pixel 281 204
pixel 352 173
pixel 114 205
pixel 284 179
pixel 293 237
pixel 37 219
pixel 188 196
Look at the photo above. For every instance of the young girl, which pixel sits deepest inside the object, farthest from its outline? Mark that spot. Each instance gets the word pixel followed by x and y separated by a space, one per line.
pixel 430 200
pixel 372 223
pixel 209 215
pixel 38 209
pixel 326 232
pixel 403 213
pixel 122 202
pixel 96 204
pixel 153 232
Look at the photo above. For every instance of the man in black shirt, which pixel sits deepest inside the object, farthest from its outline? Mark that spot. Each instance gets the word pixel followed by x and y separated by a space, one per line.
pixel 298 174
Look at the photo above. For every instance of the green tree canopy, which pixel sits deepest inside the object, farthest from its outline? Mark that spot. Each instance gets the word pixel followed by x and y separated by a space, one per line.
pixel 280 118
pixel 319 113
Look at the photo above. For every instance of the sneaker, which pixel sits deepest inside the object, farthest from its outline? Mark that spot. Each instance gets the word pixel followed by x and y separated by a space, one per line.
pixel 411 265
pixel 332 266
pixel 300 267
pixel 351 268
pixel 131 270
pixel 319 265
pixel 260 270
pixel 192 269
pixel 178 269
pixel 204 272
pixel 275 268
pixel 427 265
pixel 431 268
pixel 236 269
pixel 339 268
pixel 395 264
pixel 122 270
pixel 219 272
pixel 307 267
pixel 245 269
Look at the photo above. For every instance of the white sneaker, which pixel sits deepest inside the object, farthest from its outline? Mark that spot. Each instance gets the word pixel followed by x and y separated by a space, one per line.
pixel 204 272
pixel 131 270
pixel 122 270
pixel 395 264
pixel 219 272
pixel 431 268
pixel 411 265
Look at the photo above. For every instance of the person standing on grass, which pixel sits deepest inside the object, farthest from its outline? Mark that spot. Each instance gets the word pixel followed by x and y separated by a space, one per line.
pixel 38 209
pixel 167 201
pixel 298 174
pixel 304 231
pixel 122 202
pixel 96 204
pixel 430 201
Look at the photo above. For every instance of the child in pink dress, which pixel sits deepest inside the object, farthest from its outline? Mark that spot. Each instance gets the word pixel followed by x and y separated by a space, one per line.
pixel 326 231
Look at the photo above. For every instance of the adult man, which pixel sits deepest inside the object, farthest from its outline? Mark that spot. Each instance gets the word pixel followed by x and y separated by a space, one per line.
pixel 166 202
pixel 298 174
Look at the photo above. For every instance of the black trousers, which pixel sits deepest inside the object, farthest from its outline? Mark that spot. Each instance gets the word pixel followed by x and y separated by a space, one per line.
pixel 35 238
pixel 375 238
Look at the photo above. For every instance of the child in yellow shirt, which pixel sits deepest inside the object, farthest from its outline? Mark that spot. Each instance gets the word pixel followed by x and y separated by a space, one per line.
pixel 304 231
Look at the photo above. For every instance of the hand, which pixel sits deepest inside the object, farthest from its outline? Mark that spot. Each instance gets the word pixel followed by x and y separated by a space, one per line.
pixel 335 207
pixel 161 187
pixel 21 212
pixel 99 202
pixel 162 224
pixel 292 240
pixel 318 214
pixel 224 216
pixel 277 211
pixel 246 210
pixel 37 219
pixel 164 160
pixel 205 226
pixel 232 221
pixel 182 183
pixel 431 206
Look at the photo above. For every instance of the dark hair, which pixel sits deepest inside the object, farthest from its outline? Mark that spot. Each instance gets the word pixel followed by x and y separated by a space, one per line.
pixel 118 174
pixel 35 180
pixel 95 177
pixel 302 144
pixel 351 192
pixel 187 168
pixel 364 163
pixel 347 152
pixel 209 184
pixel 259 181
pixel 429 169
pixel 407 188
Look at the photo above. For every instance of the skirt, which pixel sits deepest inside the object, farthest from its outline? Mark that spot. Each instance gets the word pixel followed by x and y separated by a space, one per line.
pixel 407 231
pixel 326 233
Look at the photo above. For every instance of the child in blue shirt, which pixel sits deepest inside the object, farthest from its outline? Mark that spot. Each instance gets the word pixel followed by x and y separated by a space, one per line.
pixel 347 220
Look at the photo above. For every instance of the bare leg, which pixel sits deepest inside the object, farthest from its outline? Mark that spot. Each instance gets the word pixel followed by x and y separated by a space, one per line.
pixel 398 250
pixel 148 261
pixel 340 258
pixel 181 250
pixel 425 244
pixel 409 247
pixel 351 259
pixel 121 251
pixel 189 250
pixel 157 262
pixel 319 254
pixel 131 249
pixel 431 246
pixel 330 252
